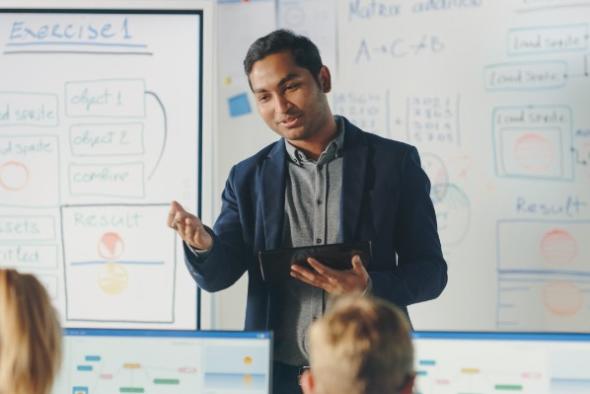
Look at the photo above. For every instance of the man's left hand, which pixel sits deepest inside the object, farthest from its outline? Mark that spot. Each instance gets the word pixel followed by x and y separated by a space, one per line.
pixel 331 280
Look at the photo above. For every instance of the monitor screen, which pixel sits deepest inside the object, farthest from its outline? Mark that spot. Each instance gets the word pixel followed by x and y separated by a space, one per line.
pixel 453 362
pixel 165 362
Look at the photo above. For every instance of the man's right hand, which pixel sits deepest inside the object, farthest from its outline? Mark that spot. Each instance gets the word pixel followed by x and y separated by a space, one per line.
pixel 189 227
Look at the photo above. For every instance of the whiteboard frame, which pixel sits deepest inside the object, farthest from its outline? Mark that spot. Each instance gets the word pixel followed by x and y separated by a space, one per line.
pixel 208 119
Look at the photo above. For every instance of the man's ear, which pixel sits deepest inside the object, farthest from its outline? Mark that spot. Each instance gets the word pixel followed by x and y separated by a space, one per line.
pixel 408 386
pixel 325 79
pixel 307 383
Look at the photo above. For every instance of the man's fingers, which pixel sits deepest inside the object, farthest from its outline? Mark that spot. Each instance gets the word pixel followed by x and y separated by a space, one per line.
pixel 172 213
pixel 357 265
pixel 298 276
pixel 319 267
pixel 183 224
pixel 331 280
pixel 304 273
pixel 176 214
pixel 176 206
pixel 189 229
pixel 178 221
pixel 308 277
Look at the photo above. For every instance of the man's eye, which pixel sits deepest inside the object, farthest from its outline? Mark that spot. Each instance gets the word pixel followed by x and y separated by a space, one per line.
pixel 292 86
pixel 262 99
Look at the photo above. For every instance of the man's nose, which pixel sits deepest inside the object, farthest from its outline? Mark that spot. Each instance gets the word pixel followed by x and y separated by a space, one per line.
pixel 282 104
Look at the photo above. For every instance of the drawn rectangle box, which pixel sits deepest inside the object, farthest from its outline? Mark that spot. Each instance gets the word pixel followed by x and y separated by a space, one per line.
pixel 112 98
pixel 28 109
pixel 533 142
pixel 525 76
pixel 112 180
pixel 117 139
pixel 119 263
pixel 368 110
pixel 532 152
pixel 543 246
pixel 547 39
pixel 29 171
pixel 27 228
pixel 433 119
pixel 219 364
pixel 543 303
pixel 29 256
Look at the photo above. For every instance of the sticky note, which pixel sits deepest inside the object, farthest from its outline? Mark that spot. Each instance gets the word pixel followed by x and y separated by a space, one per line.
pixel 239 105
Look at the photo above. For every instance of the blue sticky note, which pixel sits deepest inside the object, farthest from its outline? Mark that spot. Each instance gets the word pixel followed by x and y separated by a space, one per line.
pixel 239 105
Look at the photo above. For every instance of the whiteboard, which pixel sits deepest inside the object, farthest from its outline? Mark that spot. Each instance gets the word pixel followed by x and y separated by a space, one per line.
pixel 494 94
pixel 101 121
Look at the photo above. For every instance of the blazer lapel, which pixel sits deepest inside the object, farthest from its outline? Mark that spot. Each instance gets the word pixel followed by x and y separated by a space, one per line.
pixel 273 195
pixel 353 182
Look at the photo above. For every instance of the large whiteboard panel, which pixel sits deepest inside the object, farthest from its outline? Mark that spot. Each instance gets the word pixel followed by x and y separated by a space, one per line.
pixel 100 126
pixel 495 95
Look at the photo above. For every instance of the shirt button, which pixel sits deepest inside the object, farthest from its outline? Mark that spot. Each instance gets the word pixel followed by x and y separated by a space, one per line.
pixel 318 241
pixel 318 201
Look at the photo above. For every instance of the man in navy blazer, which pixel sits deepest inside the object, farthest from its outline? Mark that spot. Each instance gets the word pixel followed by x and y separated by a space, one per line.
pixel 382 196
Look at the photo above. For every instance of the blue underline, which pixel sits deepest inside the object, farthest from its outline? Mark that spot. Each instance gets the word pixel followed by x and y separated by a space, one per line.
pixel 80 43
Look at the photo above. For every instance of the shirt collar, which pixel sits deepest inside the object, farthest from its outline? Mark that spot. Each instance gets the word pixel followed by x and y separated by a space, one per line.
pixel 332 151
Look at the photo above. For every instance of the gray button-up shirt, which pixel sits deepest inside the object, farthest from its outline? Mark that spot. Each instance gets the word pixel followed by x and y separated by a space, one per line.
pixel 312 217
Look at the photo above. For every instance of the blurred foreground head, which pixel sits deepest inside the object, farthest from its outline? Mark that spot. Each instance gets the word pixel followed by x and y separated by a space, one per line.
pixel 361 346
pixel 30 335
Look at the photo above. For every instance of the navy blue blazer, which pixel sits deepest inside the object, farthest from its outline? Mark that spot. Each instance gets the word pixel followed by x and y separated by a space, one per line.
pixel 385 199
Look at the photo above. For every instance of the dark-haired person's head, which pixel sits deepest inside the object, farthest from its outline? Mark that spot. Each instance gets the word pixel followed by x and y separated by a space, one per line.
pixel 289 82
pixel 361 345
pixel 305 53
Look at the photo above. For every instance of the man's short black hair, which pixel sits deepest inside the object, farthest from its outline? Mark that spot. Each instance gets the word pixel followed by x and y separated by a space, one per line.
pixel 304 52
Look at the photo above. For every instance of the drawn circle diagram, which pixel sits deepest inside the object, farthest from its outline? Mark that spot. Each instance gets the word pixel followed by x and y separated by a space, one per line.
pixel 110 246
pixel 438 175
pixel 113 278
pixel 534 152
pixel 14 175
pixel 562 298
pixel 453 214
pixel 558 247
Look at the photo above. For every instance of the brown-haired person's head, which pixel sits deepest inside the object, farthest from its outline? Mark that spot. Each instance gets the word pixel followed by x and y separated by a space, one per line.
pixel 361 346
pixel 30 335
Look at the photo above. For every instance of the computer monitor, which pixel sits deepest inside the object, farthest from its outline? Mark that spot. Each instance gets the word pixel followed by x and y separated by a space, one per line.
pixel 510 363
pixel 165 362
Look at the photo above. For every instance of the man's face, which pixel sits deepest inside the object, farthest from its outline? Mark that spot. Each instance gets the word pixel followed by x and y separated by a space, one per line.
pixel 288 97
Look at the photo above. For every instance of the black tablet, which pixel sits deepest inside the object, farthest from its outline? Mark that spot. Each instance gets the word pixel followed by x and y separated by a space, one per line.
pixel 275 265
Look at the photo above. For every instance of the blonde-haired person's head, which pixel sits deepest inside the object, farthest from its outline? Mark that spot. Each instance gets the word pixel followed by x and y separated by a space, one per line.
pixel 30 335
pixel 362 345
